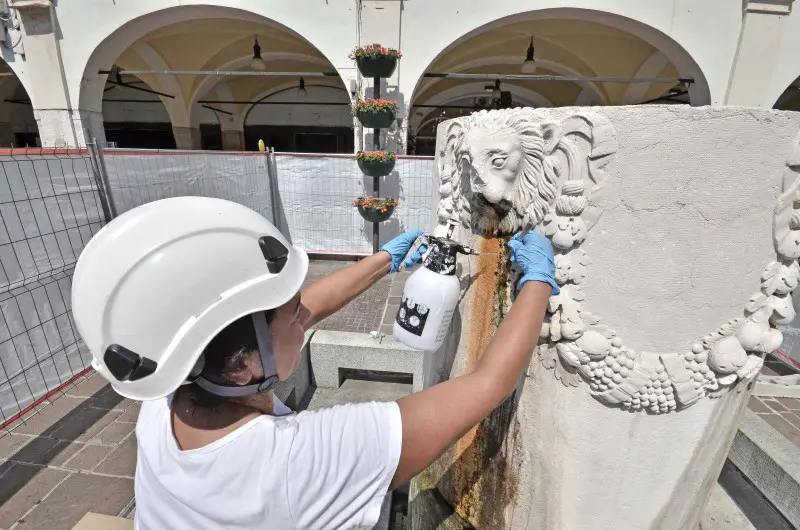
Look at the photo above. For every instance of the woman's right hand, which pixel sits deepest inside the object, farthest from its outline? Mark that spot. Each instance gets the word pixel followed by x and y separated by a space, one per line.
pixel 534 255
pixel 437 417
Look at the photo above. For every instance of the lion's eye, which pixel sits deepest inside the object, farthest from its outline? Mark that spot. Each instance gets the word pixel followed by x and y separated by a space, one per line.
pixel 498 162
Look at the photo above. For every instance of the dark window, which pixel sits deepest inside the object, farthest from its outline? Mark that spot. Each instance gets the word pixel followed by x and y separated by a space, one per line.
pixel 140 135
pixel 300 139
pixel 315 143
pixel 210 137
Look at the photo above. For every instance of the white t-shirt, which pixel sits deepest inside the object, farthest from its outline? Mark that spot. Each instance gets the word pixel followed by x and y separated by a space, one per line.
pixel 326 469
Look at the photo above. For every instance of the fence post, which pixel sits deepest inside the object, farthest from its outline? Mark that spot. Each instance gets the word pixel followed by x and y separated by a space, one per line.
pixel 272 178
pixel 101 191
pixel 104 176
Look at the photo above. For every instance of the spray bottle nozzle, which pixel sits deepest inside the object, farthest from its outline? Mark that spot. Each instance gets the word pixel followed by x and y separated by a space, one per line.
pixel 442 244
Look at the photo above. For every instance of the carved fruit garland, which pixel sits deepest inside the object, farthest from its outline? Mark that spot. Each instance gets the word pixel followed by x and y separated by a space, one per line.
pixel 576 345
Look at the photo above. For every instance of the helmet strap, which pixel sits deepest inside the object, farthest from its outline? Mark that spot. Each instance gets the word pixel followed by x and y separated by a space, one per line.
pixel 267 362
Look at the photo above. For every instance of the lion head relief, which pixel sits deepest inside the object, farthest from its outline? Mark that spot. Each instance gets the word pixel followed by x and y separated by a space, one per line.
pixel 500 171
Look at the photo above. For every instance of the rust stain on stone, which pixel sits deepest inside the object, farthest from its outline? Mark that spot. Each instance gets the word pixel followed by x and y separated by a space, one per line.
pixel 482 482
pixel 479 327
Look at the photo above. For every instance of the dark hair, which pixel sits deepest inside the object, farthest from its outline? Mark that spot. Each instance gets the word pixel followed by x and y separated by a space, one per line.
pixel 224 355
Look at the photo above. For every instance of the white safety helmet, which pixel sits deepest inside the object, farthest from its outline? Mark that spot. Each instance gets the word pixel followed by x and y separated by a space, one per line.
pixel 154 286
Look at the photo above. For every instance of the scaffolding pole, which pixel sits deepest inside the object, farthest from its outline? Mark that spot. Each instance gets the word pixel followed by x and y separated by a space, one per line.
pixel 219 73
pixel 440 75
pixel 570 78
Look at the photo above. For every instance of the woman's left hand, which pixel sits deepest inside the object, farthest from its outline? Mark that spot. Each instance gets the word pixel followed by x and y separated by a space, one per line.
pixel 399 247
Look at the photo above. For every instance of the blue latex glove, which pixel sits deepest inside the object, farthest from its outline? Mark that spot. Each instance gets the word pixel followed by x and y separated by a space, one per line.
pixel 399 247
pixel 534 255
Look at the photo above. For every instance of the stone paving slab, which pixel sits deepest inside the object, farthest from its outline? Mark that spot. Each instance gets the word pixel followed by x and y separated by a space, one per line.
pixel 770 461
pixel 49 462
pixel 96 521
pixel 74 497
pixel 782 413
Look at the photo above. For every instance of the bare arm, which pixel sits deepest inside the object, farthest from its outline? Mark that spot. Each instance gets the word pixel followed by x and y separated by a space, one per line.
pixel 331 293
pixel 436 418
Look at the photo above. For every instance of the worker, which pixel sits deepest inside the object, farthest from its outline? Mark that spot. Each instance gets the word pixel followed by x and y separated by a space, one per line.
pixel 194 306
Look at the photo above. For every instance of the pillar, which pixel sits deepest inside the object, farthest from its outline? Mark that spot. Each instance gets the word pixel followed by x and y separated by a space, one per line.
pixel 187 137
pixel 647 356
pixel 759 43
pixel 62 128
pixel 232 140
pixel 60 125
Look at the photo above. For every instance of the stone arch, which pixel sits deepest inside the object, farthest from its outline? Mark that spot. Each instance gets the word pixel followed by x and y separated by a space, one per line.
pixel 129 27
pixel 286 125
pixel 117 38
pixel 684 62
pixel 651 67
pixel 176 105
pixel 547 64
pixel 471 90
pixel 210 84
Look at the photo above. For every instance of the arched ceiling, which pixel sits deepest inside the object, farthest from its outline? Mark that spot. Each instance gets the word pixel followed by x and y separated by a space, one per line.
pixel 220 44
pixel 563 47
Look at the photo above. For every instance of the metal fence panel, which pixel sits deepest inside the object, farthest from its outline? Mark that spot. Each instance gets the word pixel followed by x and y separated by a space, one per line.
pixel 316 199
pixel 309 197
pixel 142 176
pixel 49 209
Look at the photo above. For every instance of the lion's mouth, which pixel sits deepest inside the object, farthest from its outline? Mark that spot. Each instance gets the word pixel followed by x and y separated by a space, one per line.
pixel 501 208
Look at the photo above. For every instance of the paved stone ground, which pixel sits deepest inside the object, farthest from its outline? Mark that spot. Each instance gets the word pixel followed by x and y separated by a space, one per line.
pixel 74 455
pixel 781 413
pixel 369 311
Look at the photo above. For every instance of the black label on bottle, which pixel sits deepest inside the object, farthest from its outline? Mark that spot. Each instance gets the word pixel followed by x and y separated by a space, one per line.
pixel 412 316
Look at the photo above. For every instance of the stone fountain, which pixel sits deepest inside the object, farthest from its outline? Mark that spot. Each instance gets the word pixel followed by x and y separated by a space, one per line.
pixel 677 233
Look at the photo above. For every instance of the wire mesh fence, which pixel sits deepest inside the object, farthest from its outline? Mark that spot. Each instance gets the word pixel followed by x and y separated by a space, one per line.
pixel 316 201
pixel 49 209
pixel 53 201
pixel 142 176
pixel 309 197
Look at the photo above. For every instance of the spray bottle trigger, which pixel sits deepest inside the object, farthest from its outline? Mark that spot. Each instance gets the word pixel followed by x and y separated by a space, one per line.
pixel 418 243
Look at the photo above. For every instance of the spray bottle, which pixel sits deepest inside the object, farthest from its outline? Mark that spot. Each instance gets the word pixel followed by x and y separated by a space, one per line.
pixel 430 297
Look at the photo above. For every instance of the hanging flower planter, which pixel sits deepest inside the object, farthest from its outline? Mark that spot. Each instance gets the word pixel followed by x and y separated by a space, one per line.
pixel 375 209
pixel 374 60
pixel 375 113
pixel 376 163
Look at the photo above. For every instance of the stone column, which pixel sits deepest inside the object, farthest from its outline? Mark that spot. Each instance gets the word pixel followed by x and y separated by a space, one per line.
pixel 232 140
pixel 187 137
pixel 673 279
pixel 60 124
pixel 759 43
pixel 62 128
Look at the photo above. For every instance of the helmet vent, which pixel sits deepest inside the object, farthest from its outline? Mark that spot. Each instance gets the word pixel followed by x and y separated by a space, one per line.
pixel 274 252
pixel 126 365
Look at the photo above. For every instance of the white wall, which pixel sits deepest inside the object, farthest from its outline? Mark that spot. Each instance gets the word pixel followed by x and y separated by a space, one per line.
pixel 304 115
pixel 699 37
